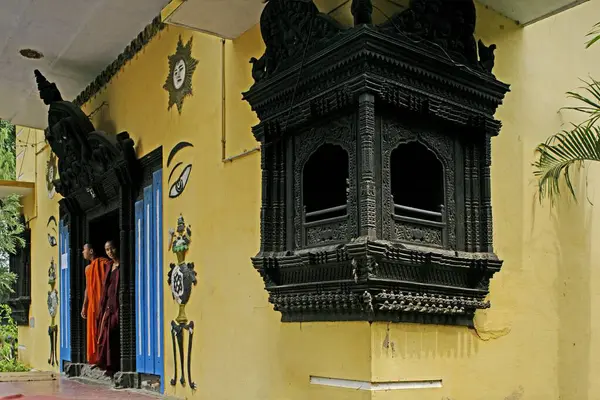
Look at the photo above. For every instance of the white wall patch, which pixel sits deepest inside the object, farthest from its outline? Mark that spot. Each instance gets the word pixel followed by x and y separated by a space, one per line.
pixel 375 386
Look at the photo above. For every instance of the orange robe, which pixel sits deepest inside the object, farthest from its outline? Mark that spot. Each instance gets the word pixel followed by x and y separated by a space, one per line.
pixel 94 279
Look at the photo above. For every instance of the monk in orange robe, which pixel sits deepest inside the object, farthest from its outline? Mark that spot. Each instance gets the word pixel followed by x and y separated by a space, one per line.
pixel 94 287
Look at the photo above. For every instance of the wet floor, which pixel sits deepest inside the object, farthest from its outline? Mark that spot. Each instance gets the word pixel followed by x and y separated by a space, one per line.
pixel 64 389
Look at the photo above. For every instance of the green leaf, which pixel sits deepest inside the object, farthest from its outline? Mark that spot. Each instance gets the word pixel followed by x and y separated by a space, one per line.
pixel 594 34
pixel 559 154
pixel 9 342
pixel 590 102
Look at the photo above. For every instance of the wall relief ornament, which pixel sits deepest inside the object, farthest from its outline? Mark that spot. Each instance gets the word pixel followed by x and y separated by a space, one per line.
pixel 51 226
pixel 178 185
pixel 85 156
pixel 52 303
pixel 291 27
pixel 181 70
pixel 51 174
pixel 181 279
pixel 287 27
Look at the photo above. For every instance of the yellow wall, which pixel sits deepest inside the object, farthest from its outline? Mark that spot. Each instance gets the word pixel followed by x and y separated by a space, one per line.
pixel 27 144
pixel 541 336
pixel 34 342
pixel 535 342
pixel 240 348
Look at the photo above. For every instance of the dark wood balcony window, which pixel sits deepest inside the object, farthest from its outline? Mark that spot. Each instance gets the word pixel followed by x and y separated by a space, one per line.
pixel 324 186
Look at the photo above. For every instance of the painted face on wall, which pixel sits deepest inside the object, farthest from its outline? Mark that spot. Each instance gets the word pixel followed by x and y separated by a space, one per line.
pixel 179 74
pixel 181 69
pixel 178 185
pixel 51 226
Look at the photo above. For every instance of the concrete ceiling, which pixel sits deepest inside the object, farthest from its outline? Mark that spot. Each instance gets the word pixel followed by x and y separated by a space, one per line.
pixel 224 18
pixel 230 18
pixel 78 38
pixel 526 12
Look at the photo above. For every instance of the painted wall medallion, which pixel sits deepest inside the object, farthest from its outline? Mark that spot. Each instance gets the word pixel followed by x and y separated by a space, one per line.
pixel 181 69
pixel 181 279
pixel 178 186
pixel 182 275
pixel 52 303
pixel 51 225
pixel 51 174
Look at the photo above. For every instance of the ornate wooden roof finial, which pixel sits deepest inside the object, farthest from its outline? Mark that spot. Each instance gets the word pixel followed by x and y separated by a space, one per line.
pixel 361 11
pixel 48 91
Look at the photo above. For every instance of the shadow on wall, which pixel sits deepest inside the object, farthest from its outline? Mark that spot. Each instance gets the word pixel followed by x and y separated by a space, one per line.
pixel 572 224
pixel 102 119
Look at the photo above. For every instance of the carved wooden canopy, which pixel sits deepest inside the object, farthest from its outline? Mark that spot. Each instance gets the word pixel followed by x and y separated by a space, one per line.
pixel 403 113
pixel 86 157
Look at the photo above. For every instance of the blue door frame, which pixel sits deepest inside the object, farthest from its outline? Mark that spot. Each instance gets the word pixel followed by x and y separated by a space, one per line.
pixel 65 295
pixel 148 281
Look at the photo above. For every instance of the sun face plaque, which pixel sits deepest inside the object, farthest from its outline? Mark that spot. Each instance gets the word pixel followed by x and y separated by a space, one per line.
pixel 181 69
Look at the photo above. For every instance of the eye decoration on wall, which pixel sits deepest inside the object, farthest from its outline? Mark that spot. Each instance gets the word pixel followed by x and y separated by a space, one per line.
pixel 181 279
pixel 178 185
pixel 52 303
pixel 51 175
pixel 181 70
pixel 52 225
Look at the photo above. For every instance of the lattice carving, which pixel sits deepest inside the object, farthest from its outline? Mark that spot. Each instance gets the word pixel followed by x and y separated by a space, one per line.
pixel 427 235
pixel 326 233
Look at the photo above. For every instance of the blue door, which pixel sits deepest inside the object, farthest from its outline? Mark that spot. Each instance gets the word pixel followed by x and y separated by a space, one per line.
pixel 65 294
pixel 148 280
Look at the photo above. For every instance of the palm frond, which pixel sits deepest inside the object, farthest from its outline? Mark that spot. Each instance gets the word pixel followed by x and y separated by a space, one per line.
pixel 594 34
pixel 559 153
pixel 591 103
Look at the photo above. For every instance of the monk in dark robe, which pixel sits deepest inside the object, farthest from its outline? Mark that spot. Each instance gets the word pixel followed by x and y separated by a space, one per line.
pixel 94 282
pixel 108 319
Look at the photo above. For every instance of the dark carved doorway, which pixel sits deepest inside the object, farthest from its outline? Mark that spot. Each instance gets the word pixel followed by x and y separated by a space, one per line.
pixel 103 228
pixel 99 179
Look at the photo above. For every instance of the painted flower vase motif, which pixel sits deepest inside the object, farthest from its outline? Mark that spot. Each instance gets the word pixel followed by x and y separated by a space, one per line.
pixel 52 274
pixel 182 275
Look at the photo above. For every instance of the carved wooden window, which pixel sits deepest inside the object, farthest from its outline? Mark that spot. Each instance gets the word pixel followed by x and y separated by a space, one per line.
pixel 20 264
pixel 417 187
pixel 324 195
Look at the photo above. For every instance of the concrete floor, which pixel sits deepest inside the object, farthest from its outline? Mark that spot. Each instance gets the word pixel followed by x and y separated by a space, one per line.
pixel 63 389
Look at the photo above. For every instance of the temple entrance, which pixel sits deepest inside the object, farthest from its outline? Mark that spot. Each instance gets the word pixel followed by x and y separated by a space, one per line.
pixel 101 179
pixel 104 228
pixel 101 229
pixel 97 222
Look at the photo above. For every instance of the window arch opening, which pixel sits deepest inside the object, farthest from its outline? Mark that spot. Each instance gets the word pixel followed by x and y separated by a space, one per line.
pixel 325 183
pixel 417 180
